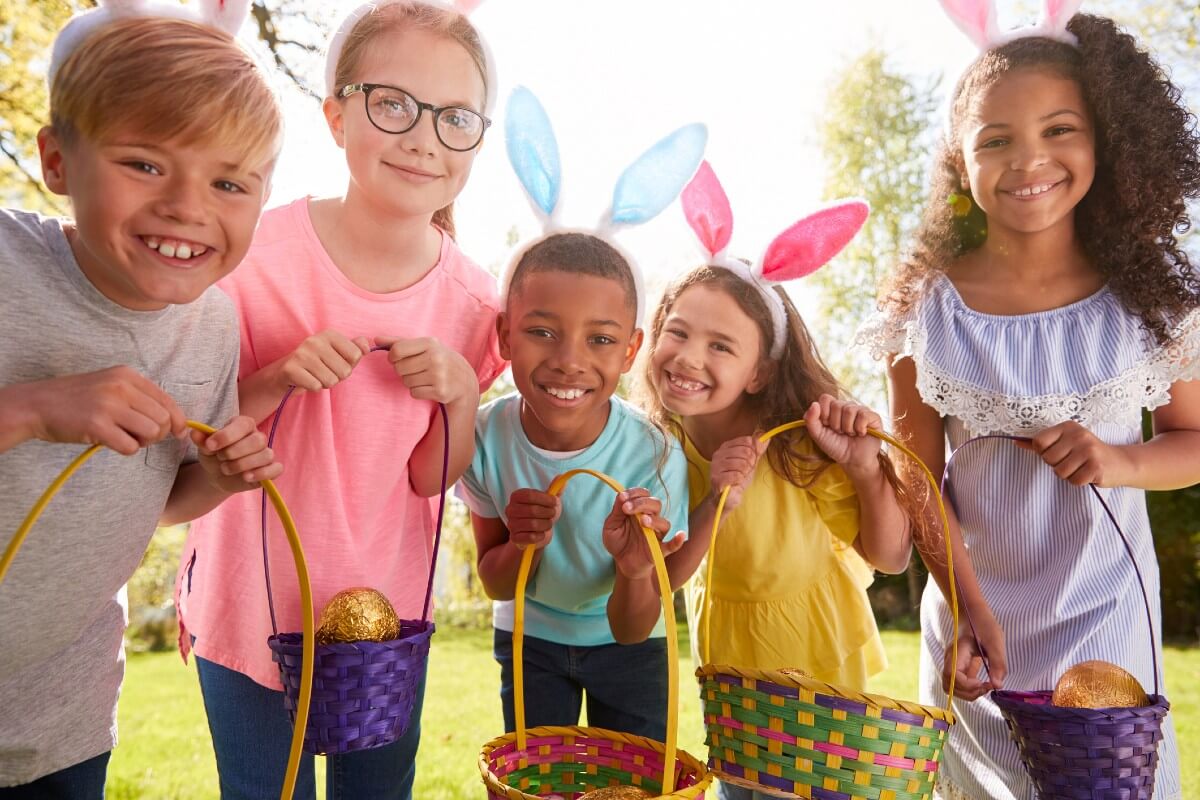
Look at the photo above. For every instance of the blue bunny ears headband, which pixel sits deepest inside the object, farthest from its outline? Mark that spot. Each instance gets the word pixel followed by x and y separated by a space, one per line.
pixel 641 193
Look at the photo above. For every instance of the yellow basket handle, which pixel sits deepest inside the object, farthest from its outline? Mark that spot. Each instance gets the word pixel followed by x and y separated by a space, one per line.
pixel 306 606
pixel 937 495
pixel 664 588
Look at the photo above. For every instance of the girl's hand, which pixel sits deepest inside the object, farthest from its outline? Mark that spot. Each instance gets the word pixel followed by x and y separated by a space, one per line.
pixel 840 428
pixel 1079 456
pixel 432 371
pixel 322 361
pixel 236 458
pixel 987 640
pixel 531 515
pixel 733 466
pixel 623 536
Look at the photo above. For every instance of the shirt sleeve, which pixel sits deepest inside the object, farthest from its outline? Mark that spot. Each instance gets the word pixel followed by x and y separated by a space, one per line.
pixel 837 503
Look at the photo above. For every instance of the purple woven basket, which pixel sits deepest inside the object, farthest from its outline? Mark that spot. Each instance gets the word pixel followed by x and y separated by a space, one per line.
pixel 1086 753
pixel 363 692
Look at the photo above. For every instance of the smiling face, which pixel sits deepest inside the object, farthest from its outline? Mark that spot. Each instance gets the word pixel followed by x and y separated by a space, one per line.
pixel 708 356
pixel 1028 151
pixel 410 173
pixel 570 337
pixel 156 223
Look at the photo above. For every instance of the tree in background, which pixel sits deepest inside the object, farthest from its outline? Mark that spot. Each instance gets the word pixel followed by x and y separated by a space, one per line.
pixel 876 135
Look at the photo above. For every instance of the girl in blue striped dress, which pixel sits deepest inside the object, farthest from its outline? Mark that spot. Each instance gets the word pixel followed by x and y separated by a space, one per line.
pixel 1049 299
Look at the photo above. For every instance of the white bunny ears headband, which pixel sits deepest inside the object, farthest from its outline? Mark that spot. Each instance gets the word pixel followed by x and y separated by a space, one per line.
pixel 644 189
pixel 225 15
pixel 800 250
pixel 977 19
pixel 342 31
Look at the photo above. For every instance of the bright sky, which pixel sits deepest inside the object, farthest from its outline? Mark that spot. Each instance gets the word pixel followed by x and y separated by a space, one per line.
pixel 615 76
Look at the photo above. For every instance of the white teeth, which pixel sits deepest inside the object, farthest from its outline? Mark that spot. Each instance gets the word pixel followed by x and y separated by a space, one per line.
pixel 175 249
pixel 167 250
pixel 691 386
pixel 199 251
pixel 153 241
pixel 183 252
pixel 564 394
pixel 1029 191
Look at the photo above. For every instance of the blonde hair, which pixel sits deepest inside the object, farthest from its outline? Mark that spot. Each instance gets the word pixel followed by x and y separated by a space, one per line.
pixel 419 16
pixel 167 79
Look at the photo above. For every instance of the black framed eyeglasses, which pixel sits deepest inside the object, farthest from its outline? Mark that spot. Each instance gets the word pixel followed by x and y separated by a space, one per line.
pixel 393 110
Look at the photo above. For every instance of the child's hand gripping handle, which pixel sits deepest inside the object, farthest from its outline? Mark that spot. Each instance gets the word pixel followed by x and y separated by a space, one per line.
pixel 306 606
pixel 664 588
pixel 937 495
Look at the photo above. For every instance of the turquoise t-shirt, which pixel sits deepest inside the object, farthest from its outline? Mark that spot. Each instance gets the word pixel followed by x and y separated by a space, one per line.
pixel 567 597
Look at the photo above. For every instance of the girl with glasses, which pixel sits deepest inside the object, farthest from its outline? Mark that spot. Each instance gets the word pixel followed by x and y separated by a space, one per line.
pixel 325 280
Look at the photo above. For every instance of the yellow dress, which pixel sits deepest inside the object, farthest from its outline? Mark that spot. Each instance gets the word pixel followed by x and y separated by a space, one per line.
pixel 789 590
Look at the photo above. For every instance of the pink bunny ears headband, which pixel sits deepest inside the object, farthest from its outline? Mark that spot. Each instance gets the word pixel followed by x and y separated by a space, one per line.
pixel 642 191
pixel 977 19
pixel 342 31
pixel 225 15
pixel 800 250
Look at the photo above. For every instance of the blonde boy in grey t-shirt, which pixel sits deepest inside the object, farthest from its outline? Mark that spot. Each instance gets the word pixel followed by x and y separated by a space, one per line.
pixel 163 134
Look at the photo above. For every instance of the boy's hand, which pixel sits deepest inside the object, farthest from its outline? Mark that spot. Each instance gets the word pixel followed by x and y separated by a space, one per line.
pixel 115 407
pixel 1079 456
pixel 236 458
pixel 432 371
pixel 322 361
pixel 531 515
pixel 623 536
pixel 733 466
pixel 840 428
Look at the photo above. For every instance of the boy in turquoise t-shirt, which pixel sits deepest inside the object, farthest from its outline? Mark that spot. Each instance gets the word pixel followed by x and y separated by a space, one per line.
pixel 570 330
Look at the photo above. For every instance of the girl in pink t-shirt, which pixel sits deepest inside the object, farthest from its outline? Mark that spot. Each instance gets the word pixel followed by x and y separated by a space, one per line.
pixel 325 279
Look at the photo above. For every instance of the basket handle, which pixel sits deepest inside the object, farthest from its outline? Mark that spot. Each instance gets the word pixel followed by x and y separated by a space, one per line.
pixel 289 527
pixel 437 534
pixel 937 495
pixel 664 589
pixel 1111 517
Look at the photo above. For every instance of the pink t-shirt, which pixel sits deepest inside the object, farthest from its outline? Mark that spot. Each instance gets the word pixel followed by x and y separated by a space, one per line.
pixel 345 451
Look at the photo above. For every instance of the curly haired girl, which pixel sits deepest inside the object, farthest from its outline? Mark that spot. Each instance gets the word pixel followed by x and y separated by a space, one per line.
pixel 1046 297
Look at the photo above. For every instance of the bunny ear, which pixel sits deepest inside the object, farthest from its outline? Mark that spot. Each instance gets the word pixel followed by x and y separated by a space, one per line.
pixel 465 7
pixel 809 244
pixel 1057 13
pixel 976 18
pixel 707 210
pixel 649 185
pixel 227 15
pixel 533 150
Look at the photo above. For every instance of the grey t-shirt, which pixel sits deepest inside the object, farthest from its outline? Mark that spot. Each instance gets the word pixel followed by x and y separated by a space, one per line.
pixel 62 609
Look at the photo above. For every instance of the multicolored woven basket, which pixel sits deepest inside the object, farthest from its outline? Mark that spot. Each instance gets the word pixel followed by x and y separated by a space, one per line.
pixel 304 678
pixel 1085 753
pixel 569 761
pixel 363 693
pixel 791 736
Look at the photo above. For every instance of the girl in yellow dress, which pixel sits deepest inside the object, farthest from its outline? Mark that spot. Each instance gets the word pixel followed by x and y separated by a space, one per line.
pixel 810 513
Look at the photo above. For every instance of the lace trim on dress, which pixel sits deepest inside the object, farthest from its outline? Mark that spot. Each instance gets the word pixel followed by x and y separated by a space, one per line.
pixel 1119 399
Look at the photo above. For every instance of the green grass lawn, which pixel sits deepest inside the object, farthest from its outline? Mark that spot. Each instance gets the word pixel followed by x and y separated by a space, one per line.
pixel 165 751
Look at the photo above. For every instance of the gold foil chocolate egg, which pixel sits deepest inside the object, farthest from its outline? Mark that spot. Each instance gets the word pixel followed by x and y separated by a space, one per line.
pixel 358 615
pixel 617 793
pixel 1098 684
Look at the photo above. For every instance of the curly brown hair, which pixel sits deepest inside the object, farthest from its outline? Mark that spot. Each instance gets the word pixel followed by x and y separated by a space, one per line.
pixel 1147 165
pixel 797 378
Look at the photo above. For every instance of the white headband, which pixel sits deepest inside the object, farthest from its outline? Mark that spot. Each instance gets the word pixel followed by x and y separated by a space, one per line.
pixel 800 250
pixel 464 7
pixel 644 189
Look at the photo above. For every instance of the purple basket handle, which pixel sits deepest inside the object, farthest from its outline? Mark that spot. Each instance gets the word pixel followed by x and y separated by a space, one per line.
pixel 1112 518
pixel 437 535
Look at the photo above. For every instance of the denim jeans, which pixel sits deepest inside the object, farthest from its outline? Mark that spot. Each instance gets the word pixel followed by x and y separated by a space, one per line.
pixel 252 737
pixel 626 685
pixel 83 781
pixel 729 791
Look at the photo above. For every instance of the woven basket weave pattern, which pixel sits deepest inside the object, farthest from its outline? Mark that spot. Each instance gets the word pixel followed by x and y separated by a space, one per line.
pixel 1084 753
pixel 363 692
pixel 806 738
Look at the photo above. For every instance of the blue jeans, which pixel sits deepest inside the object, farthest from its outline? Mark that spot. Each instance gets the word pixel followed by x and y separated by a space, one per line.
pixel 84 781
pixel 626 685
pixel 729 791
pixel 252 737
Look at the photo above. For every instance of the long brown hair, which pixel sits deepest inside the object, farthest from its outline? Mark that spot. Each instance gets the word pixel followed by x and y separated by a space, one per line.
pixel 421 16
pixel 1147 164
